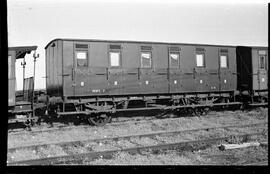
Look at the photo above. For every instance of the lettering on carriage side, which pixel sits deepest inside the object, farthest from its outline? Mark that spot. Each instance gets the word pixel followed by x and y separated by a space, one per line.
pixel 95 90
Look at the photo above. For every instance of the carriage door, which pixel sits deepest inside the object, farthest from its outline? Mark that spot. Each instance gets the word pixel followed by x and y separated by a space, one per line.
pixel 244 68
pixel 225 75
pixel 80 69
pixel 200 72
pixel 176 79
pixel 115 69
pixel 262 70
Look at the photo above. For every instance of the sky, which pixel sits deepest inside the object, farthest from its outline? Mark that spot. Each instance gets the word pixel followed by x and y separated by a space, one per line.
pixel 37 22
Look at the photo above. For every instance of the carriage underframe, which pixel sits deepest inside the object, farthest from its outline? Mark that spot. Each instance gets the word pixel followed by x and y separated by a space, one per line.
pixel 99 110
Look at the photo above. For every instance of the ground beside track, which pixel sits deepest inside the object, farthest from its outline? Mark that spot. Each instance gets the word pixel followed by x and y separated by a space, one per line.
pixel 209 156
pixel 133 127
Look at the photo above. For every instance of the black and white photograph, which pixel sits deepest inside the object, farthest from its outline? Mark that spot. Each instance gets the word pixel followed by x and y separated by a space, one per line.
pixel 137 83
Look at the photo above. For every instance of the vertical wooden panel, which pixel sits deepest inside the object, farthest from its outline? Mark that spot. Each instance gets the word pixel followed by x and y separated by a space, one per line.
pixel 11 78
pixel 259 75
pixel 67 68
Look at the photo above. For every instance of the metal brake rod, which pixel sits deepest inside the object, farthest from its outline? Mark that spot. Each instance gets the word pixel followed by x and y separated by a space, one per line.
pixel 148 108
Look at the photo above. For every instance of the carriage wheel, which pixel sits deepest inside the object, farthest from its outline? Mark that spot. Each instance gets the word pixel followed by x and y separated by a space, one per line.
pixel 193 112
pixel 99 120
pixel 205 111
pixel 27 124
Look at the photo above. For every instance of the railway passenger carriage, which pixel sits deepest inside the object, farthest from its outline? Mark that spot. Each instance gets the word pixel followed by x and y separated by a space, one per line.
pixel 92 74
pixel 91 67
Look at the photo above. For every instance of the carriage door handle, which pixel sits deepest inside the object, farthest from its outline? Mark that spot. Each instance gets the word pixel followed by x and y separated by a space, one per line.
pixel 72 74
pixel 107 73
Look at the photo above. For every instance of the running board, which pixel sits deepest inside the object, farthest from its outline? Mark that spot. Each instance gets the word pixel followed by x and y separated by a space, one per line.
pixel 258 104
pixel 146 108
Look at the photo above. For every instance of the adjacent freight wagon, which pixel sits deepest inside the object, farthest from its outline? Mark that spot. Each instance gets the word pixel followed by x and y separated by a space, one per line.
pixel 23 106
pixel 15 53
pixel 252 67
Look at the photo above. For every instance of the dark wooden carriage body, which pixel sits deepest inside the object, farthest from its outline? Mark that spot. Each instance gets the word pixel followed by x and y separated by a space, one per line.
pixel 71 78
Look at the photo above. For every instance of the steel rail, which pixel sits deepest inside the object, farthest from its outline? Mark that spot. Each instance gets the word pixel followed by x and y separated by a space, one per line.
pixel 11 150
pixel 258 104
pixel 93 155
pixel 256 163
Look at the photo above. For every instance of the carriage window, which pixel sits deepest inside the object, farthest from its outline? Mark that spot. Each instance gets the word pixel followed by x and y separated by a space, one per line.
pixel 115 59
pixel 146 59
pixel 200 60
pixel 174 59
pixel 81 57
pixel 223 61
pixel 262 62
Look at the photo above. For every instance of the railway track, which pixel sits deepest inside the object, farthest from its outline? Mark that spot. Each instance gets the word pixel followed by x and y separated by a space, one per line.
pixel 139 135
pixel 115 122
pixel 160 146
pixel 64 127
pixel 259 163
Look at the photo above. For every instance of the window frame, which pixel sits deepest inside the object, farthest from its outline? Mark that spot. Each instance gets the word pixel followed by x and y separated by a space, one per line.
pixel 170 60
pixel 120 58
pixel 264 62
pixel 204 64
pixel 227 61
pixel 151 58
pixel 87 57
